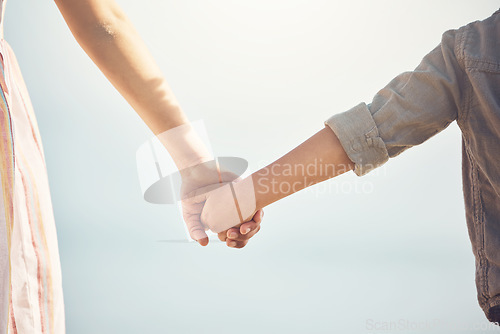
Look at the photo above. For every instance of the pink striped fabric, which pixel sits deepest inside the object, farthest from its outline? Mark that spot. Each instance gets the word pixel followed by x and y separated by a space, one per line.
pixel 31 299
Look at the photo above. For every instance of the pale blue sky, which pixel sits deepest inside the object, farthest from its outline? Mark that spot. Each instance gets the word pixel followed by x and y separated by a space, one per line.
pixel 263 75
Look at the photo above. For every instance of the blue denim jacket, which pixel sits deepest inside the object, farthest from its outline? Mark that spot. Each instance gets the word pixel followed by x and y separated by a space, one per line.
pixel 458 80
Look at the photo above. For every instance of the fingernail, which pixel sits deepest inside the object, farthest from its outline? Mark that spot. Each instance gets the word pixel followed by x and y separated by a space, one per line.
pixel 233 235
pixel 232 244
pixel 247 230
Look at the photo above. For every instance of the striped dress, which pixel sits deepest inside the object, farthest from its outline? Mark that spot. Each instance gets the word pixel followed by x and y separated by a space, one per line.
pixel 31 299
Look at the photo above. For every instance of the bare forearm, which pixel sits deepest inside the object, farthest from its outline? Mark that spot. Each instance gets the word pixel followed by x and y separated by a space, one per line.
pixel 319 158
pixel 111 41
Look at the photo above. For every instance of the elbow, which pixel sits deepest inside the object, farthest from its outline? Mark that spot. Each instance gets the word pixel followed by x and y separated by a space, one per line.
pixel 97 25
pixel 103 31
pixel 109 25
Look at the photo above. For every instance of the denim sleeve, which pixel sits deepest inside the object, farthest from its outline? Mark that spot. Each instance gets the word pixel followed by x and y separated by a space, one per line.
pixel 413 107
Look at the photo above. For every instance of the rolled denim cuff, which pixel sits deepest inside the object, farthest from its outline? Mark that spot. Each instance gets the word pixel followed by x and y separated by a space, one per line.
pixel 360 138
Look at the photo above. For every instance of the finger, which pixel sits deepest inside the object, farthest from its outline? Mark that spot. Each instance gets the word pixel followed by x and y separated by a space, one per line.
pixel 197 232
pixel 248 236
pixel 222 235
pixel 203 241
pixel 247 227
pixel 252 224
pixel 233 233
pixel 236 244
pixel 238 233
pixel 258 216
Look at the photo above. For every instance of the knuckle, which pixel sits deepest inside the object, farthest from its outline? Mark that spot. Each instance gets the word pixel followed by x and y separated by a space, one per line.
pixel 241 244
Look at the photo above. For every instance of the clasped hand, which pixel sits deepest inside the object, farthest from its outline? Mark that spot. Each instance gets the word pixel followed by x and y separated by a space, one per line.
pixel 210 201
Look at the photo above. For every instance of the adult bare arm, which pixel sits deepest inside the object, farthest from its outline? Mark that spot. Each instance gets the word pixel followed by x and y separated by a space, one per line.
pixel 109 38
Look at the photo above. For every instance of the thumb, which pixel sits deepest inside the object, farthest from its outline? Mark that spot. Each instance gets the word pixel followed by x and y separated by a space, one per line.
pixel 197 231
pixel 200 236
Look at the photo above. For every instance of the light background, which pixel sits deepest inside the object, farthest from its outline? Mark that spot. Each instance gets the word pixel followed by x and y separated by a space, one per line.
pixel 264 75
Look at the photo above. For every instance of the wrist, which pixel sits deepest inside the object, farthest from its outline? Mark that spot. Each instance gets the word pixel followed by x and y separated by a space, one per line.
pixel 185 146
pixel 263 188
pixel 199 176
pixel 245 196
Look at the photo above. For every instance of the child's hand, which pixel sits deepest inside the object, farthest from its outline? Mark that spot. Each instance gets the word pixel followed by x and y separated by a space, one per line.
pixel 229 206
pixel 238 237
